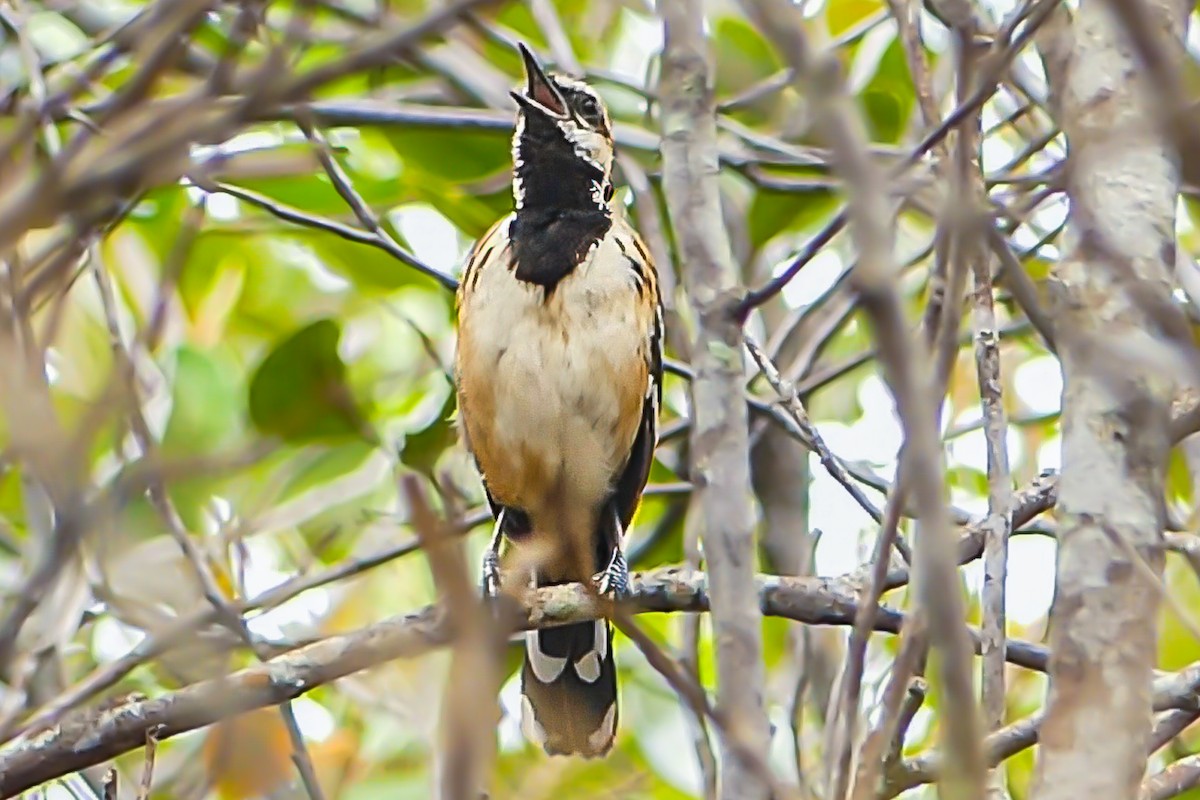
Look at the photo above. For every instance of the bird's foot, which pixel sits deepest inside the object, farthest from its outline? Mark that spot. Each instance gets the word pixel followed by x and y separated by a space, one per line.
pixel 613 582
pixel 490 579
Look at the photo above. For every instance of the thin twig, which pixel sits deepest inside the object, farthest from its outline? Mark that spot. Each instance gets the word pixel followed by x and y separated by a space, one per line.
pixel 160 499
pixel 868 216
pixel 883 744
pixel 971 222
pixel 293 215
pixel 791 401
pixel 906 13
pixel 1009 46
pixel 148 764
pixel 842 735
pixel 930 767
pixel 156 144
pixel 690 658
pixel 692 693
pixel 474 677
pixel 914 698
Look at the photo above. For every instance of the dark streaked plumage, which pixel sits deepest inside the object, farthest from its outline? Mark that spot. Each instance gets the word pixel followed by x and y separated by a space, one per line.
pixel 558 371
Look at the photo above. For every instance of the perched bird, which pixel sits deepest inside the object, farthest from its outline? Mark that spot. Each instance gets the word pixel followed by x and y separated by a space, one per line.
pixel 559 380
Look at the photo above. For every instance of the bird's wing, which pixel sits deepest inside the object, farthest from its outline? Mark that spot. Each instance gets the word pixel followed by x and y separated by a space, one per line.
pixel 632 480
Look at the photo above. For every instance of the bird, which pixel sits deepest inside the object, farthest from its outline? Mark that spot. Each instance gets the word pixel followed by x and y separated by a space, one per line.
pixel 558 375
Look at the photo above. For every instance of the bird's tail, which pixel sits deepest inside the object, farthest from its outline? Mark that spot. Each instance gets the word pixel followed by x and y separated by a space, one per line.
pixel 569 680
pixel 569 689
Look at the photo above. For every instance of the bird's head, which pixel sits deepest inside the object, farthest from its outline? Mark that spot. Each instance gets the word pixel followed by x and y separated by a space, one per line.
pixel 562 124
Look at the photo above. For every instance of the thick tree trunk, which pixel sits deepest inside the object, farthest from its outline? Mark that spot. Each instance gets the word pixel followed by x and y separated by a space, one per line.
pixel 1114 326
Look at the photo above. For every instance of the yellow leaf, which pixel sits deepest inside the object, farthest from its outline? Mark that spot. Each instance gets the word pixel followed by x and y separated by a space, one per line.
pixel 248 756
pixel 336 760
pixel 843 15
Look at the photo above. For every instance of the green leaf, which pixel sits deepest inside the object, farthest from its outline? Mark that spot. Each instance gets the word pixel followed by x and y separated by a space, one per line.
pixel 1179 479
pixel 518 18
pixel 299 391
pixel 204 404
pixel 1038 268
pixel 210 275
pixel 968 479
pixel 158 217
pixel 772 213
pixel 776 645
pixel 423 448
pixel 473 214
pixel 744 54
pixel 276 295
pixel 889 98
pixel 326 466
pixel 369 268
pixel 886 114
pixel 456 156
pixel 1177 646
pixel 657 539
pixel 1191 794
pixel 1193 209
pixel 12 502
pixel 316 194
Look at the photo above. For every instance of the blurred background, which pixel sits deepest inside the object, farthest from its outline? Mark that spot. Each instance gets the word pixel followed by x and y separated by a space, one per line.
pixel 246 343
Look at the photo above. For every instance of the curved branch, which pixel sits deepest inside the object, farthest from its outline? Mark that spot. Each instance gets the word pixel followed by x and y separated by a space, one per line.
pixel 92 737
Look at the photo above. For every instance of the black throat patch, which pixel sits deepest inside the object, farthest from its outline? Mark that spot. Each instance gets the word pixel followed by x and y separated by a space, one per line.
pixel 563 211
pixel 548 245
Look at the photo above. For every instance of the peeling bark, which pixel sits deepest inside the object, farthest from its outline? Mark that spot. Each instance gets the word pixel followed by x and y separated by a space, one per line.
pixel 1114 328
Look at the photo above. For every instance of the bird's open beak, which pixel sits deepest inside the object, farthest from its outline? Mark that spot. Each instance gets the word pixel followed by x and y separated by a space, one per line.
pixel 540 95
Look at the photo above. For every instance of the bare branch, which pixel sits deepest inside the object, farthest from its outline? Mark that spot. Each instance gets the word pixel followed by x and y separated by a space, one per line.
pixel 720 432
pixel 869 218
pixel 1176 779
pixel 1008 46
pixel 968 210
pixel 85 739
pixel 373 238
pixel 148 765
pixel 1173 690
pixel 692 693
pixel 152 143
pixel 903 696
pixel 474 679
pixel 795 408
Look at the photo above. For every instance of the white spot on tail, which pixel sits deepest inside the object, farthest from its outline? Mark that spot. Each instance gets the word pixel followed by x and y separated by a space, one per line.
pixel 532 729
pixel 545 668
pixel 588 667
pixel 604 734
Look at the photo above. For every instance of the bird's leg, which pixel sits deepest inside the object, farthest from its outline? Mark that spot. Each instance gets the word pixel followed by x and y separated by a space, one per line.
pixel 614 580
pixel 491 560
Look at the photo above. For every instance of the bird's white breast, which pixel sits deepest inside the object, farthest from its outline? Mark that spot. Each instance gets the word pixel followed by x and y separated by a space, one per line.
pixel 559 373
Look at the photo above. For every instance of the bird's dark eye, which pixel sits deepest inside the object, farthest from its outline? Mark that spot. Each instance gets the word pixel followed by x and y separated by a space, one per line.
pixel 589 109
